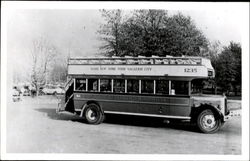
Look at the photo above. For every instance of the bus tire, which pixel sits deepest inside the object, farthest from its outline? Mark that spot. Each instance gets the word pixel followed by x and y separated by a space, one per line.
pixel 207 122
pixel 93 114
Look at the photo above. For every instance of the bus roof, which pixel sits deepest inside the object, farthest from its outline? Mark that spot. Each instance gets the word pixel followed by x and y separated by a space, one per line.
pixel 192 67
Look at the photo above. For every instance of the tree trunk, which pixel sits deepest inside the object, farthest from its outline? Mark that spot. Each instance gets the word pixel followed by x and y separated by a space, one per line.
pixel 37 92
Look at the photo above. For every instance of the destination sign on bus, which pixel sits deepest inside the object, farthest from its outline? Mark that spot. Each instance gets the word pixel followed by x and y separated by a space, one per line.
pixel 121 68
pixel 149 70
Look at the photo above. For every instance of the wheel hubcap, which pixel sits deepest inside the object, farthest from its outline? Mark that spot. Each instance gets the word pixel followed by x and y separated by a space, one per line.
pixel 208 121
pixel 91 115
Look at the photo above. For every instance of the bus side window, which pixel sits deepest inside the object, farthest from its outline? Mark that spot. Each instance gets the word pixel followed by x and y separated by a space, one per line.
pixel 119 85
pixel 81 84
pixel 132 86
pixel 147 86
pixel 179 87
pixel 93 85
pixel 105 85
pixel 162 87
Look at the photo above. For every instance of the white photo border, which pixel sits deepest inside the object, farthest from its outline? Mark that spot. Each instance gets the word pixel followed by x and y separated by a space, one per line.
pixel 244 7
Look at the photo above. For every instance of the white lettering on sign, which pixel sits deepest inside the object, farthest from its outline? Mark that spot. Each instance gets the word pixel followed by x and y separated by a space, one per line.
pixel 190 70
pixel 121 68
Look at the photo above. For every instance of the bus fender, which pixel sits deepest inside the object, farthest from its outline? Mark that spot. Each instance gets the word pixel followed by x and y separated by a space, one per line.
pixel 86 104
pixel 196 111
pixel 83 108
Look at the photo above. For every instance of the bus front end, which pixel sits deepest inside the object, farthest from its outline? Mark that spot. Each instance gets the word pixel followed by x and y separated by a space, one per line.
pixel 210 112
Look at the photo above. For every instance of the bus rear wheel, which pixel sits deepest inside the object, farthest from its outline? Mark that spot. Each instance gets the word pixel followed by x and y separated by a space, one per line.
pixel 207 122
pixel 93 114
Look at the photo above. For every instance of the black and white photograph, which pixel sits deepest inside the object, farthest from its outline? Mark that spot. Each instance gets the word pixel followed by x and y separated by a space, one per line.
pixel 125 80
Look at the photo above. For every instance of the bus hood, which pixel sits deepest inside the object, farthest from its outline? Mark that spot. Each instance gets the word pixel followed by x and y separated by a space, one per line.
pixel 217 101
pixel 207 96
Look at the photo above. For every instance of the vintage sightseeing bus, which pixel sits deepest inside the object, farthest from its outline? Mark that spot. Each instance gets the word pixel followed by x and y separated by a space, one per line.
pixel 145 86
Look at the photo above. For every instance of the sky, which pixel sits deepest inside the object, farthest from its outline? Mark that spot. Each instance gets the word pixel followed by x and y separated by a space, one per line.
pixel 76 29
pixel 221 25
pixel 73 31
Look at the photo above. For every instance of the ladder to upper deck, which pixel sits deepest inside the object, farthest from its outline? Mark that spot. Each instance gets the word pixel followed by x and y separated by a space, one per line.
pixel 67 103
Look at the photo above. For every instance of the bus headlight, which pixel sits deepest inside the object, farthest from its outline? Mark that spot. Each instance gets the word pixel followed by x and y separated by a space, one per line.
pixel 210 73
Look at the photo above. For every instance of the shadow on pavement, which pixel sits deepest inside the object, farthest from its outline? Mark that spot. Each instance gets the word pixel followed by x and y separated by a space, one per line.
pixel 65 116
pixel 149 122
pixel 124 120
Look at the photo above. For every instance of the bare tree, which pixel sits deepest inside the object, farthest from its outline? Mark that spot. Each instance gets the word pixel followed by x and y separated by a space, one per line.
pixel 110 32
pixel 42 53
pixel 58 73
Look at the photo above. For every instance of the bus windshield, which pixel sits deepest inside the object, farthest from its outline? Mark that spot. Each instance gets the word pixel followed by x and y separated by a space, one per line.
pixel 197 86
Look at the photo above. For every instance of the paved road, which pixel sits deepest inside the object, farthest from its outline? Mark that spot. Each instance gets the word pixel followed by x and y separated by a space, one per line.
pixel 34 127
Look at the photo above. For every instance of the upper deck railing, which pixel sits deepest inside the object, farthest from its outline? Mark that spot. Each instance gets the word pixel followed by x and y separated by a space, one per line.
pixel 137 60
pixel 192 67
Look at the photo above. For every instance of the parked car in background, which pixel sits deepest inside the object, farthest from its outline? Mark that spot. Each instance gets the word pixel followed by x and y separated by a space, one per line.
pixel 32 91
pixel 49 90
pixel 26 92
pixel 40 91
pixel 15 95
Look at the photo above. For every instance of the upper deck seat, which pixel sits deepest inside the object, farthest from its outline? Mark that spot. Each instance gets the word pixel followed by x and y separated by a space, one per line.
pixel 118 60
pixel 145 60
pixel 181 61
pixel 107 61
pixel 169 60
pixel 131 60
pixel 195 61
pixel 157 59
pixel 94 61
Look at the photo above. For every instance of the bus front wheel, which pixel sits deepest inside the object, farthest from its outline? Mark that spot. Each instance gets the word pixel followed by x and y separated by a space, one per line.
pixel 207 122
pixel 93 114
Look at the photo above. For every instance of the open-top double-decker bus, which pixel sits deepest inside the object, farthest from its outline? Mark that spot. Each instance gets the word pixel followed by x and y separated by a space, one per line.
pixel 144 86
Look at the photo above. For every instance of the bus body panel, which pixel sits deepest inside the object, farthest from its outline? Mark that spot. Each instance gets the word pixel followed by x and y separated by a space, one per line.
pixel 180 106
pixel 156 105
